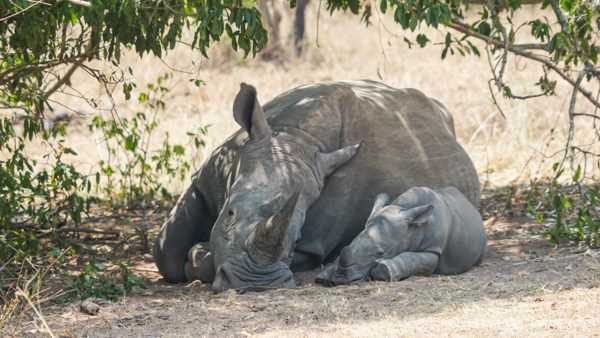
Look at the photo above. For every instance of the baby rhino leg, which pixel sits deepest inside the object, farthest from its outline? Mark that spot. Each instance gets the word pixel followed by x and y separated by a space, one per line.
pixel 404 265
pixel 200 264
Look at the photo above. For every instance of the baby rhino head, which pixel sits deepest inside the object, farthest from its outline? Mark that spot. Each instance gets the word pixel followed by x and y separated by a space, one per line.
pixel 387 233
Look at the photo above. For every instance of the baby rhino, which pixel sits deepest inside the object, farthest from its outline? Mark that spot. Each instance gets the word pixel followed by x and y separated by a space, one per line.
pixel 423 231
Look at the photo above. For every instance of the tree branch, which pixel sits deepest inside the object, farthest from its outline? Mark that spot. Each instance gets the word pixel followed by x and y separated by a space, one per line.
pixel 35 3
pixel 587 115
pixel 67 77
pixel 82 230
pixel 80 3
pixel 465 29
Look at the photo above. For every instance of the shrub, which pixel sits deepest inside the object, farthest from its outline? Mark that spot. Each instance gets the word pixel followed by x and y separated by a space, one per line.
pixel 132 169
pixel 571 212
pixel 95 281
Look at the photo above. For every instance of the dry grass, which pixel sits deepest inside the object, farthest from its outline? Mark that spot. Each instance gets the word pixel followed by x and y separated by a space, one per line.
pixel 507 149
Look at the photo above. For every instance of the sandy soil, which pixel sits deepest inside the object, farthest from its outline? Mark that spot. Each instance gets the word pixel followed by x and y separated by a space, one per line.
pixel 526 286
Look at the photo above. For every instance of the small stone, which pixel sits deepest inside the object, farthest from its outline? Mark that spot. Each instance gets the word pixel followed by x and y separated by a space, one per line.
pixel 92 306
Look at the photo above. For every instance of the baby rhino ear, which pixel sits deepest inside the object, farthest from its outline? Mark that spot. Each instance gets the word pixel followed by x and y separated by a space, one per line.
pixel 381 201
pixel 420 216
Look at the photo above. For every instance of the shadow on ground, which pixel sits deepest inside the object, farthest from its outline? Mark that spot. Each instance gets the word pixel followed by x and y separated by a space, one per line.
pixel 522 266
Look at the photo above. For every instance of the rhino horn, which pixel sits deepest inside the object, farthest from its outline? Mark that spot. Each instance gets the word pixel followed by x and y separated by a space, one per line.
pixel 248 113
pixel 269 238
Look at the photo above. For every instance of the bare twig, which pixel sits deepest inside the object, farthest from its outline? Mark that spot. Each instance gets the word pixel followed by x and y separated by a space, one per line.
pixel 465 29
pixel 587 115
pixel 34 3
pixel 82 230
pixel 80 3
pixel 571 133
pixel 499 80
pixel 67 77
pixel 318 20
pixel 538 46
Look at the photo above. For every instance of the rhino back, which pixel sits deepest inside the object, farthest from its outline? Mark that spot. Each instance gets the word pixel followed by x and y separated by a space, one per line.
pixel 408 140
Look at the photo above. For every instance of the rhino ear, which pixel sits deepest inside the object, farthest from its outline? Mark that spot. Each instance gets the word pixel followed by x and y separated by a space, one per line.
pixel 335 159
pixel 381 201
pixel 248 113
pixel 420 216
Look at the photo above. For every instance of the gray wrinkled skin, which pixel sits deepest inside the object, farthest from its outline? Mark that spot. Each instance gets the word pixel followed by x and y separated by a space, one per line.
pixel 292 187
pixel 423 231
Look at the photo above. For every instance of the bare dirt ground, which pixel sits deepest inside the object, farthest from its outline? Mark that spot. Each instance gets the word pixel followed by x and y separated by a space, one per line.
pixel 526 286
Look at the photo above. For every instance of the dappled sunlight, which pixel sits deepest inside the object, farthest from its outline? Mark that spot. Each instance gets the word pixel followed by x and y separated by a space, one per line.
pixel 526 291
pixel 502 149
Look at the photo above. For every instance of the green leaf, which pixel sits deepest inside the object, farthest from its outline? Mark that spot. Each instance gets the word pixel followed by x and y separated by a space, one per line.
pixel 577 174
pixel 507 92
pixel 178 149
pixel 70 151
pixel 473 48
pixel 422 40
pixel 383 6
pixel 249 4
pixel 54 252
pixel 567 6
pixel 131 142
pixel 555 166
pixel 484 28
pixel 413 23
pixel 448 40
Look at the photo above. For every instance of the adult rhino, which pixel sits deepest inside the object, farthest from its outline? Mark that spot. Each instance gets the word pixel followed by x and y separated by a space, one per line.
pixel 290 189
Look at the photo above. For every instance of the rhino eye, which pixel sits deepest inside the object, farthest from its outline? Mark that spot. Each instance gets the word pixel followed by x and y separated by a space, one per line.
pixel 230 217
pixel 379 251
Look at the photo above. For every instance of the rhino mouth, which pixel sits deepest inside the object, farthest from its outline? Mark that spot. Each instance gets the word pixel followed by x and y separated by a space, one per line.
pixel 244 278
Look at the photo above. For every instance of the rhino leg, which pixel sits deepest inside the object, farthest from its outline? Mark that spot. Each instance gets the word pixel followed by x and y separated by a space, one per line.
pixel 404 265
pixel 200 264
pixel 188 224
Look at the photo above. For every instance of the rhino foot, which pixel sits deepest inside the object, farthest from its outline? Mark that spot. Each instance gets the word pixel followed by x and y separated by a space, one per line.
pixel 381 271
pixel 200 264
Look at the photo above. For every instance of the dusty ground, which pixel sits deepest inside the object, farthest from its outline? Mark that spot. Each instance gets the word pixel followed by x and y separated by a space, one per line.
pixel 526 286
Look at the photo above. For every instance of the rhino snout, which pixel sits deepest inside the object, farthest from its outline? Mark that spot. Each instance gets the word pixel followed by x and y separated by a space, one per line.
pixel 228 277
pixel 224 280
